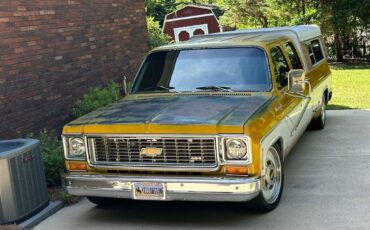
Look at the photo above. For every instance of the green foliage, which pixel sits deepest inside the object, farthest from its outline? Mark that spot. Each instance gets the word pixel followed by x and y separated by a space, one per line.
pixel 52 156
pixel 157 9
pixel 96 98
pixel 345 20
pixel 156 38
pixel 66 197
pixel 266 13
pixel 129 85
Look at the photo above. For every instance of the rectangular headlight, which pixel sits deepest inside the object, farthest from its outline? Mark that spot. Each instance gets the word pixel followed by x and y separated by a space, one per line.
pixel 74 147
pixel 237 149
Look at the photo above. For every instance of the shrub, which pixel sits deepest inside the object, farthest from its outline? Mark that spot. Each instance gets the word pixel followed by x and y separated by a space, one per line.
pixel 96 98
pixel 129 85
pixel 52 156
pixel 156 38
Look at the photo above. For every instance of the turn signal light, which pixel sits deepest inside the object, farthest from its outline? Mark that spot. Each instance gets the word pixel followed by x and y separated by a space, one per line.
pixel 77 166
pixel 236 170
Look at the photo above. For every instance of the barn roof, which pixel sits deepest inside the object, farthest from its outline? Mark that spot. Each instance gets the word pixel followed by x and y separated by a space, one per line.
pixel 206 6
pixel 215 9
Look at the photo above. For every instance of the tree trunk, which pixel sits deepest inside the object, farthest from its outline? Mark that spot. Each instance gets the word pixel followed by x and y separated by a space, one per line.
pixel 364 43
pixel 338 47
pixel 298 7
pixel 363 48
pixel 264 22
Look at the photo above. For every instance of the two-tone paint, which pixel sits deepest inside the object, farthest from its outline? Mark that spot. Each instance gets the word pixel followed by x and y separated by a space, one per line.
pixel 268 118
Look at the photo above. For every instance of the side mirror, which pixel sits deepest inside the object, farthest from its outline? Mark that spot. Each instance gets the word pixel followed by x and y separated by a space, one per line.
pixel 296 81
pixel 125 86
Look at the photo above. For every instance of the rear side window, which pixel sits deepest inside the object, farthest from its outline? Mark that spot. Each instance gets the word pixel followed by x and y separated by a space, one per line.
pixel 293 55
pixel 281 67
pixel 315 51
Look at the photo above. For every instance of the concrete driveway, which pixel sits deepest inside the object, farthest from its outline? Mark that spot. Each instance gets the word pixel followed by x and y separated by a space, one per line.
pixel 327 186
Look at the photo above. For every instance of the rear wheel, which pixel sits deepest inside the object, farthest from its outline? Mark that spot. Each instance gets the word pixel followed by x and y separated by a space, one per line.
pixel 102 201
pixel 271 184
pixel 319 122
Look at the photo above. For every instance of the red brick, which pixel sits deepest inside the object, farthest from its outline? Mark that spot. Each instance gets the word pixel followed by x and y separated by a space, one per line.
pixel 4 19
pixel 21 8
pixel 6 14
pixel 32 43
pixel 27 28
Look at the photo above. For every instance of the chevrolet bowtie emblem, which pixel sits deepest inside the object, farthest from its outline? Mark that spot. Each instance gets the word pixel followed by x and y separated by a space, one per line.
pixel 150 151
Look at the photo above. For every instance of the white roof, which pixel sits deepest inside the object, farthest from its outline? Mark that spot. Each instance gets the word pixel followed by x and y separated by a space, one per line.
pixel 190 5
pixel 203 6
pixel 303 32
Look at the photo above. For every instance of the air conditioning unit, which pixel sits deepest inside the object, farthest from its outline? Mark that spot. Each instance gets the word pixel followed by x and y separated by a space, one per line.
pixel 23 190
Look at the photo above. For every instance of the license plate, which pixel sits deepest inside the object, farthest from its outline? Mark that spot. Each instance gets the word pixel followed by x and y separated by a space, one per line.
pixel 149 191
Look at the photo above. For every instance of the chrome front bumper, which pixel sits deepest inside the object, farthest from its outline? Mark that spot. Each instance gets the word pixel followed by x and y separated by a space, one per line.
pixel 177 188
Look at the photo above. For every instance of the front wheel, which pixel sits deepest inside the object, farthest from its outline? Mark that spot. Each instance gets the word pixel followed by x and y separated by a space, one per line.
pixel 271 184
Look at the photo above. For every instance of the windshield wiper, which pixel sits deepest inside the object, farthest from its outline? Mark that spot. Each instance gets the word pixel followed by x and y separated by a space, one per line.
pixel 215 88
pixel 160 87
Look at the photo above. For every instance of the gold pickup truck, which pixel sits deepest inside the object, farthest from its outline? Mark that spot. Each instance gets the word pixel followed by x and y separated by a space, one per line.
pixel 210 119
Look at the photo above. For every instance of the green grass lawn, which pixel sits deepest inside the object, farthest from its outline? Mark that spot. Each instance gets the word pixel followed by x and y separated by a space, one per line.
pixel 351 86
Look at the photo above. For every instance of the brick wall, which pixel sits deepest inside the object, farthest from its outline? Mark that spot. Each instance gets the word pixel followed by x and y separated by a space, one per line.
pixel 52 51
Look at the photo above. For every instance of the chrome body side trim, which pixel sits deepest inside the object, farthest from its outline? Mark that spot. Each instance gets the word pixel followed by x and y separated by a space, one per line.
pixel 177 188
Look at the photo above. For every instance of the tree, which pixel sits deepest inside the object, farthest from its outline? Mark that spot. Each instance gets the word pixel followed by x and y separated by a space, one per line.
pixel 336 16
pixel 157 9
pixel 245 13
pixel 156 37
pixel 267 13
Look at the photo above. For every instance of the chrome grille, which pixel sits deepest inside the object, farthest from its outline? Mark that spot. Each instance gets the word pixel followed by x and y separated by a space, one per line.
pixel 187 152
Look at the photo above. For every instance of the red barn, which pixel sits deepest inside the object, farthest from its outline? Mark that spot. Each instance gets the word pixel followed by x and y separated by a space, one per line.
pixel 191 20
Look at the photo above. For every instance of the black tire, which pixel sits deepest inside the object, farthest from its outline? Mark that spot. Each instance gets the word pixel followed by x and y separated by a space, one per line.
pixel 319 122
pixel 102 201
pixel 260 204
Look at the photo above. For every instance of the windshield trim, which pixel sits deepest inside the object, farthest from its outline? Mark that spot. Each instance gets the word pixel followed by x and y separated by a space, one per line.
pixel 200 48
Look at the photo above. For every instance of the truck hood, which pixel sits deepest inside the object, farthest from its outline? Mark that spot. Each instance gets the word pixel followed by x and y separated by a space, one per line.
pixel 189 110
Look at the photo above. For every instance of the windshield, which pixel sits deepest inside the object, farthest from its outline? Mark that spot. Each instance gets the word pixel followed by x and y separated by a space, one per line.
pixel 226 69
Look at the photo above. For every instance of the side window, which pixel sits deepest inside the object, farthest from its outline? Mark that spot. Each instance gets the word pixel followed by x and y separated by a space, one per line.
pixel 293 55
pixel 281 67
pixel 315 51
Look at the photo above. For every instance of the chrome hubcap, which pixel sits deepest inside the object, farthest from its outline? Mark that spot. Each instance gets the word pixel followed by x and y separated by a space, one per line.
pixel 271 183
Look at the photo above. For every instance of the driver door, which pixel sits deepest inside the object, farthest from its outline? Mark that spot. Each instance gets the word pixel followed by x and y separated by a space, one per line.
pixel 290 109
